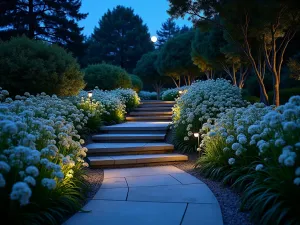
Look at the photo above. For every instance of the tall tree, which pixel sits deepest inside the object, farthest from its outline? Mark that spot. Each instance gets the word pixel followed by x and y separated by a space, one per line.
pixel 121 38
pixel 145 68
pixel 174 59
pixel 168 30
pixel 52 21
pixel 262 29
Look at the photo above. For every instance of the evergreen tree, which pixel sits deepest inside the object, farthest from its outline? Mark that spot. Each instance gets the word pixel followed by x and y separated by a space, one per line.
pixel 120 39
pixel 168 30
pixel 53 21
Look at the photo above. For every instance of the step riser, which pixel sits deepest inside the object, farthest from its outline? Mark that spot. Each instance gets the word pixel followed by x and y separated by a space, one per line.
pixel 129 141
pixel 156 106
pixel 126 162
pixel 150 118
pixel 161 109
pixel 147 120
pixel 134 131
pixel 150 113
pixel 157 102
pixel 136 152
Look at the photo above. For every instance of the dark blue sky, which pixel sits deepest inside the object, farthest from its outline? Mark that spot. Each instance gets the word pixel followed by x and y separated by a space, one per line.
pixel 153 12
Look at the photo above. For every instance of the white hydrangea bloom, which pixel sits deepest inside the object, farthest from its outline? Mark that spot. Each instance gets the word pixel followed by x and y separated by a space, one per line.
pixel 231 161
pixel 49 183
pixel 259 167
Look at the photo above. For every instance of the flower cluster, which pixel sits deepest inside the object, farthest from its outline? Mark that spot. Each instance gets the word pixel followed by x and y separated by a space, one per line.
pixel 258 132
pixel 203 101
pixel 36 134
pixel 128 96
pixel 146 95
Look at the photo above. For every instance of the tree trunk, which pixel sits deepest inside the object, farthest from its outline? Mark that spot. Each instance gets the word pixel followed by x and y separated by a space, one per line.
pixel 157 87
pixel 177 85
pixel 31 20
pixel 263 93
pixel 276 97
pixel 233 75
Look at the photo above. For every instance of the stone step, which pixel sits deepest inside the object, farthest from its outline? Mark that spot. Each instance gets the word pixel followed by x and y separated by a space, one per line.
pixel 153 109
pixel 128 148
pixel 157 102
pixel 149 118
pixel 132 160
pixel 146 105
pixel 156 113
pixel 137 127
pixel 136 137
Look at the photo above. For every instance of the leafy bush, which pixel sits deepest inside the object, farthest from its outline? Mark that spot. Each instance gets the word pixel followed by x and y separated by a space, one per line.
pixel 34 66
pixel 41 159
pixel 257 150
pixel 252 99
pixel 106 77
pixel 285 94
pixel 128 96
pixel 146 95
pixel 137 83
pixel 204 100
pixel 172 94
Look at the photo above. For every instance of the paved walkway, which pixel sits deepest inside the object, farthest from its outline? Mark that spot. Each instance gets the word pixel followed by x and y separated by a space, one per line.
pixel 162 195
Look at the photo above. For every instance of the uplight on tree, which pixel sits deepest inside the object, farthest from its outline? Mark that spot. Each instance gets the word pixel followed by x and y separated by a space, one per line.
pixel 154 39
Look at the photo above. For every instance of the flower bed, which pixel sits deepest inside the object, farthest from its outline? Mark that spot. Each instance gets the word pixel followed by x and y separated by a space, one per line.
pixel 204 100
pixel 257 150
pixel 41 157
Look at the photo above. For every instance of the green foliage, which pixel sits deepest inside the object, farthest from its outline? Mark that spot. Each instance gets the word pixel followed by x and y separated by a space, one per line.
pixel 50 21
pixel 34 66
pixel 119 43
pixel 106 77
pixel 137 83
pixel 146 95
pixel 145 67
pixel 294 67
pixel 251 98
pixel 285 94
pixel 168 30
pixel 174 59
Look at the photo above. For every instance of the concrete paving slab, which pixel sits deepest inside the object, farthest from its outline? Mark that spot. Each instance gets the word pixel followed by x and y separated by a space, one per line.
pixel 100 161
pixel 152 158
pixel 155 180
pixel 192 193
pixel 144 171
pixel 131 213
pixel 117 182
pixel 203 214
pixel 185 178
pixel 137 126
pixel 116 194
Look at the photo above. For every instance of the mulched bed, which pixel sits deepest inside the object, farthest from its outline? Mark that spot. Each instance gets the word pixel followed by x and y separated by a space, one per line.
pixel 228 199
pixel 94 178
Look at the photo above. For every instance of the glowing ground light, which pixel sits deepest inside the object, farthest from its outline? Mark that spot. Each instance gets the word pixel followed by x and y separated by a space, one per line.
pixel 154 39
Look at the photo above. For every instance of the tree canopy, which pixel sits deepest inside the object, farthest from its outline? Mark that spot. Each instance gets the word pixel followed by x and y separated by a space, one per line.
pixel 261 29
pixel 121 38
pixel 168 30
pixel 52 21
pixel 174 59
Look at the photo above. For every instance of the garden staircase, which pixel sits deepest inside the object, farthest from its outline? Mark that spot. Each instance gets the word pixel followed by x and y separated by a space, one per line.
pixel 137 142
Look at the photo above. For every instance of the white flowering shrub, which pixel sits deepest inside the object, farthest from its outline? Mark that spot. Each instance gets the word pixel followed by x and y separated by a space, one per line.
pixel 173 93
pixel 146 95
pixel 41 157
pixel 203 101
pixel 114 107
pixel 128 96
pixel 258 150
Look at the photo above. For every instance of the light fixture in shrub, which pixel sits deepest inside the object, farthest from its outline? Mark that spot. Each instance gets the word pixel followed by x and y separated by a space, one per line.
pixel 90 94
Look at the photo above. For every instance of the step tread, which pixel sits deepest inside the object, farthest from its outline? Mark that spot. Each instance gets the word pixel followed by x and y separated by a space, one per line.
pixel 135 159
pixel 128 137
pixel 137 126
pixel 124 147
pixel 149 117
pixel 153 109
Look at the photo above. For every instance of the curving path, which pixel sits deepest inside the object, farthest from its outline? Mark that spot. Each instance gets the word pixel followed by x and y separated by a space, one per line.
pixel 158 195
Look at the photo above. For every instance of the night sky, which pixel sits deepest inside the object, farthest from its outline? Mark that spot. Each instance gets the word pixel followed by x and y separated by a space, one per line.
pixel 153 12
